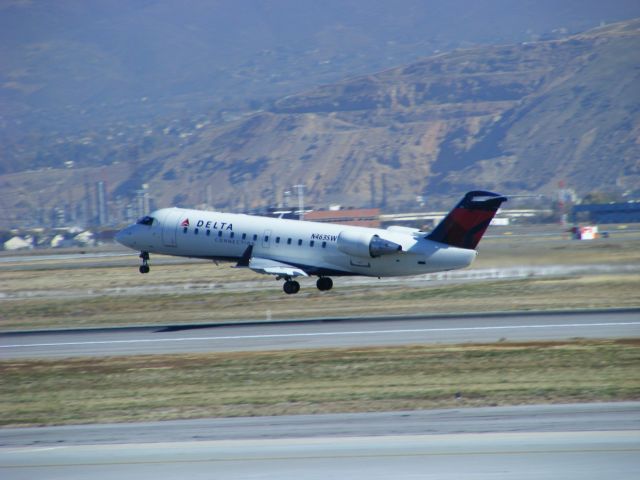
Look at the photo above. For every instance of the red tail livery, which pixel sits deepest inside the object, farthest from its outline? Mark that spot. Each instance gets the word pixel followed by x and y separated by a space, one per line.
pixel 464 226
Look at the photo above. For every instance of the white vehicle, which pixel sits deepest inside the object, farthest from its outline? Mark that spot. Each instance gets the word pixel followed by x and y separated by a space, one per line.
pixel 293 248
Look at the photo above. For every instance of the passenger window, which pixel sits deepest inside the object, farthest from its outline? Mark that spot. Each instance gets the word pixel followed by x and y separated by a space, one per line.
pixel 299 242
pixel 288 241
pixel 195 231
pixel 277 239
pixel 266 238
pixel 255 238
pixel 324 244
pixel 208 233
pixel 184 230
pixel 232 234
pixel 311 243
pixel 244 236
pixel 219 233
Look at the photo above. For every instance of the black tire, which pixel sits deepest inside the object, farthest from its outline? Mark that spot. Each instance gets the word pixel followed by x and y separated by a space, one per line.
pixel 324 283
pixel 144 269
pixel 290 287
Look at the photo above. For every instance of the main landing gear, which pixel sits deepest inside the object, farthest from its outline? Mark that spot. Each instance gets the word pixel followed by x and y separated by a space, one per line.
pixel 291 286
pixel 324 283
pixel 144 268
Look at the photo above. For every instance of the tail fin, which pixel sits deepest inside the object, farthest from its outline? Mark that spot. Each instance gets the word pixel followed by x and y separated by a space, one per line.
pixel 464 225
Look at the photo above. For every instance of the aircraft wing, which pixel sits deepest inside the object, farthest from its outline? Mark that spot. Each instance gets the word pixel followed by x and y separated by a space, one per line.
pixel 272 267
pixel 268 266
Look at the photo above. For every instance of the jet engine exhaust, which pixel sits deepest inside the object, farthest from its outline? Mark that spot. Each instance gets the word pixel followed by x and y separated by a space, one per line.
pixel 365 244
pixel 380 246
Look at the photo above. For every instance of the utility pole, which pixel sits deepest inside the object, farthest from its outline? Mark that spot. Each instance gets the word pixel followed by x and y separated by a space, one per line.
pixel 300 201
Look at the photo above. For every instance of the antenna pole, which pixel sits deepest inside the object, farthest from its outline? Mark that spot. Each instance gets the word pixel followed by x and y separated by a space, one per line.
pixel 300 201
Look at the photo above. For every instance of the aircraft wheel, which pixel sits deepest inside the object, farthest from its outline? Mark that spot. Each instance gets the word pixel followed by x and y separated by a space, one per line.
pixel 290 287
pixel 324 283
pixel 144 268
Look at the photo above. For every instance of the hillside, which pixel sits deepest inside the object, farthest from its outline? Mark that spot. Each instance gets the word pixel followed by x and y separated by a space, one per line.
pixel 70 65
pixel 515 118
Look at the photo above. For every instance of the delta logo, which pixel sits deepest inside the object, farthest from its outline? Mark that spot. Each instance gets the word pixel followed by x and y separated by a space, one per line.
pixel 210 224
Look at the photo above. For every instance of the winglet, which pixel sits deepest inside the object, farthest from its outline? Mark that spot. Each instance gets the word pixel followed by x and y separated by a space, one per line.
pixel 245 258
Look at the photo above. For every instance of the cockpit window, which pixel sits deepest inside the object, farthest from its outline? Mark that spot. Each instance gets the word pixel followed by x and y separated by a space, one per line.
pixel 145 221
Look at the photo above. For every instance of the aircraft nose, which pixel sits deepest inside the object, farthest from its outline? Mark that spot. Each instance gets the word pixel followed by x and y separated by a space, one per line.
pixel 123 237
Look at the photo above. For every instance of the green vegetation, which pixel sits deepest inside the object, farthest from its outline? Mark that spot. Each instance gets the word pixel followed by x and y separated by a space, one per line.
pixel 137 388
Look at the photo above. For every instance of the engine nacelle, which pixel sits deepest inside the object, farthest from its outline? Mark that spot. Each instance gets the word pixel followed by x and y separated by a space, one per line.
pixel 366 245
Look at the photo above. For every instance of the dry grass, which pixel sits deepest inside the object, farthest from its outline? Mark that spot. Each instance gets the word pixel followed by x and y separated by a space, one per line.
pixel 54 293
pixel 139 388
pixel 77 293
pixel 175 308
pixel 78 274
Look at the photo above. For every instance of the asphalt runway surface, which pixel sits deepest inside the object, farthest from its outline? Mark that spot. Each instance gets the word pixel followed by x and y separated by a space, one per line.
pixel 617 416
pixel 533 442
pixel 322 333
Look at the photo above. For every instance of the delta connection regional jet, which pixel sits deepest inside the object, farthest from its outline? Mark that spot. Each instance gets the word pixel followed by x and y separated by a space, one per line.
pixel 292 248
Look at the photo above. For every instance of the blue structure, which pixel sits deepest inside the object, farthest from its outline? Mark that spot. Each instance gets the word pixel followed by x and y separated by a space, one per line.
pixel 628 212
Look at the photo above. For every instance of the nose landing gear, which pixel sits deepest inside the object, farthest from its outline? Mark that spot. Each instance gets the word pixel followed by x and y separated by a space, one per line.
pixel 144 268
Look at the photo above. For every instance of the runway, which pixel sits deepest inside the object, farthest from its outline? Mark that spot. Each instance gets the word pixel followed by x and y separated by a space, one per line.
pixel 570 456
pixel 563 441
pixel 322 333
pixel 618 416
pixel 531 442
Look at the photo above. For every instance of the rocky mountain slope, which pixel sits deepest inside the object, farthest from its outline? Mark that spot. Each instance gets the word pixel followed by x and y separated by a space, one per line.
pixel 71 65
pixel 514 118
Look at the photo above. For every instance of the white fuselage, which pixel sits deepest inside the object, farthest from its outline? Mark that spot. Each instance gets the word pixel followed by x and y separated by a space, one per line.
pixel 312 246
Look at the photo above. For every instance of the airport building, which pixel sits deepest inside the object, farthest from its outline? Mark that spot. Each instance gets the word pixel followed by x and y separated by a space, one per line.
pixel 361 217
pixel 628 212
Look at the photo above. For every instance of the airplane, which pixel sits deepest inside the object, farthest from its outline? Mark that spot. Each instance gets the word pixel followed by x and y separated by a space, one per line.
pixel 289 249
